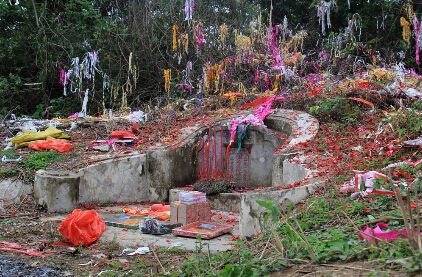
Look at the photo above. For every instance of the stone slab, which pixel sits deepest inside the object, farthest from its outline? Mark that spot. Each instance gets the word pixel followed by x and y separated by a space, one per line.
pixel 11 191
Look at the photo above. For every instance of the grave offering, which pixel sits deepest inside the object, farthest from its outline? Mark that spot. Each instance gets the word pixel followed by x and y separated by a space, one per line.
pixel 185 214
pixel 192 197
pixel 122 220
pixel 151 225
pixel 204 229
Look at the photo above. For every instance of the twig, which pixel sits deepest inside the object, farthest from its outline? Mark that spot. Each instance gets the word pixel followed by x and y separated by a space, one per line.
pixel 348 267
pixel 320 271
pixel 158 260
pixel 265 248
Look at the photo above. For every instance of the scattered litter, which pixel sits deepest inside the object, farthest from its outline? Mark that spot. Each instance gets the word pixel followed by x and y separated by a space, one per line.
pixel 176 245
pixel 28 126
pixel 123 135
pixel 82 227
pixel 86 264
pixel 159 211
pixel 131 252
pixel 122 220
pixel 125 142
pixel 5 159
pixel 8 146
pixel 363 184
pixel 357 148
pixel 26 138
pixel 101 148
pixel 73 126
pixel 99 256
pixel 404 163
pixel 75 115
pixel 151 225
pixel 137 116
pixel 16 248
pixel 370 234
pixel 58 145
pixel 411 92
pixel 414 142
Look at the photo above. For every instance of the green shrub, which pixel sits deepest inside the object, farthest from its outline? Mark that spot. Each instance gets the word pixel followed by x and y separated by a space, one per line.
pixel 338 109
pixel 40 160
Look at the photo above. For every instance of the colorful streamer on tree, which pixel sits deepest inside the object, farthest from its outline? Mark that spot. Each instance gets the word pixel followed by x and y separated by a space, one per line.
pixel 174 43
pixel 189 8
pixel 167 78
pixel 417 28
pixel 406 29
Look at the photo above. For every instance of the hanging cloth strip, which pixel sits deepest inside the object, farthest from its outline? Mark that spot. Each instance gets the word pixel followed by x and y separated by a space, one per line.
pixel 174 43
pixel 242 134
pixel 406 29
pixel 254 119
pixel 417 29
pixel 189 7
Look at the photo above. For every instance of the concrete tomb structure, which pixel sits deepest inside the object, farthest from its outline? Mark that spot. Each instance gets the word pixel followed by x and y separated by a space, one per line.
pixel 263 160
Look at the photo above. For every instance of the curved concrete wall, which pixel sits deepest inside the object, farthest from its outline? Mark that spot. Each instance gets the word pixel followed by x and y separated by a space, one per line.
pixel 150 176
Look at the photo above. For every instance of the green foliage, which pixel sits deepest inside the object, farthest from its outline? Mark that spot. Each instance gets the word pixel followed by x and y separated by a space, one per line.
pixel 271 210
pixel 414 264
pixel 40 160
pixel 232 263
pixel 8 173
pixel 339 109
pixel 407 124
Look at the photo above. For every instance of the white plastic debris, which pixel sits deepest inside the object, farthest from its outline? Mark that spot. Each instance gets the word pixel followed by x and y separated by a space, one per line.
pixel 28 126
pixel 131 252
pixel 411 92
pixel 137 116
pixel 73 125
pixel 5 159
pixel 414 142
pixel 83 112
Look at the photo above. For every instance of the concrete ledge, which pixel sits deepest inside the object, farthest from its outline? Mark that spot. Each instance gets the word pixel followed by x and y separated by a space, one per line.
pixel 251 213
pixel 227 202
pixel 57 191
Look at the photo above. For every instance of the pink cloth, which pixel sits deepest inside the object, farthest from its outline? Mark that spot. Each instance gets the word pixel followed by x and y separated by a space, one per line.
pixel 200 39
pixel 416 27
pixel 272 45
pixel 63 77
pixel 370 234
pixel 256 118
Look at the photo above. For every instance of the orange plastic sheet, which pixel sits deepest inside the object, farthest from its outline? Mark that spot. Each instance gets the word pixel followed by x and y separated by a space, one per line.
pixel 161 212
pixel 59 145
pixel 82 227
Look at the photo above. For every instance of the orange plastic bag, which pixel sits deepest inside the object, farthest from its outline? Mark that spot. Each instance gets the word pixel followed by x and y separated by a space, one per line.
pixel 82 227
pixel 123 135
pixel 59 145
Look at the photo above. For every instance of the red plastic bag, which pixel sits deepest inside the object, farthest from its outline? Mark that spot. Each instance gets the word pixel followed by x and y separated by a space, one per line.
pixel 59 145
pixel 123 135
pixel 82 227
pixel 255 103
